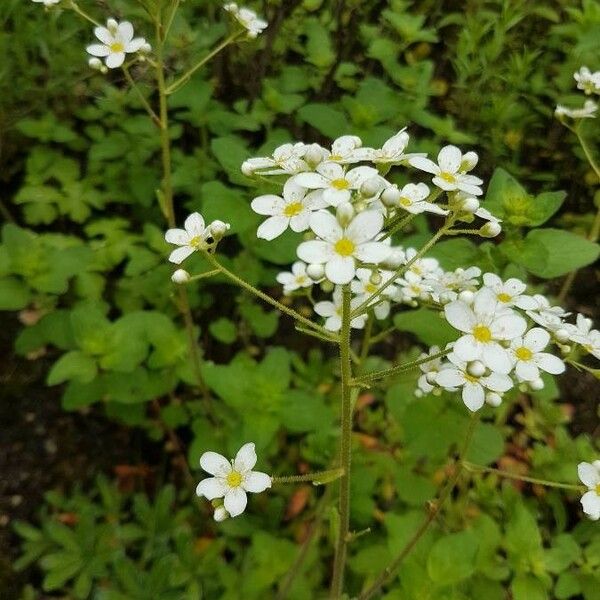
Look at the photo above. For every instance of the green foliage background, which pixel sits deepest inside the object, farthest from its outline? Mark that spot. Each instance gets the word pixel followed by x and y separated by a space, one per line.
pixel 82 246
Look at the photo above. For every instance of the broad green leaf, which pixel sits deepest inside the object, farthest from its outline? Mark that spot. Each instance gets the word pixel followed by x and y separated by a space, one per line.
pixel 14 294
pixel 74 365
pixel 427 325
pixel 452 558
pixel 527 587
pixel 325 119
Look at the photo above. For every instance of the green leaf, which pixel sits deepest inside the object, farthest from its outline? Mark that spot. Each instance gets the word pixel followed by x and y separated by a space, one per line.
pixel 325 119
pixel 74 365
pixel 427 325
pixel 452 558
pixel 487 444
pixel 527 587
pixel 544 206
pixel 231 152
pixel 224 330
pixel 14 294
pixel 262 322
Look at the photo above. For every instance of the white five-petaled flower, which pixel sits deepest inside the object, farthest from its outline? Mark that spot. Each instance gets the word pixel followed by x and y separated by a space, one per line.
pixel 391 153
pixel 344 150
pixel 446 285
pixel 529 358
pixel 588 111
pixel 549 317
pixel 332 312
pixel 484 324
pixel 246 18
pixel 473 380
pixel 509 292
pixel 339 248
pixel 429 370
pixel 286 160
pixel 589 474
pixel 583 334
pixel 364 288
pixel 293 210
pixel 413 200
pixel 117 41
pixel 231 480
pixel 194 236
pixel 587 81
pixel 337 185
pixel 449 172
pixel 296 279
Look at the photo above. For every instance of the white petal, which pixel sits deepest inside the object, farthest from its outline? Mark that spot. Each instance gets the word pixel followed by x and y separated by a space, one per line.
pixel 358 175
pixel 104 35
pixel 300 222
pixel 256 482
pixel 424 164
pixel 115 60
pixel 492 281
pixel 315 251
pixel 194 224
pixel 180 237
pixel 550 363
pixel 269 204
pixel 180 254
pixel 245 459
pixel 314 200
pixel 345 144
pixel 125 31
pixel 536 339
pixel 450 378
pixel 272 227
pixel 527 370
pixel 365 226
pixel 590 502
pixel 325 308
pixel 473 396
pixel 340 269
pixel 372 252
pixel 334 197
pixel 449 159
pixel 330 170
pixel 460 316
pixel 497 382
pixel 99 50
pixel 211 488
pixel 312 181
pixel 588 474
pixel 215 464
pixel 135 44
pixel 333 323
pixel 466 348
pixel 508 326
pixel 497 358
pixel 325 225
pixel 235 501
pixel 293 191
pixel 514 287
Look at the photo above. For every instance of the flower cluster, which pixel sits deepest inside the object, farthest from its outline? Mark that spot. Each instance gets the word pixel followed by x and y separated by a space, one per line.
pixel 589 83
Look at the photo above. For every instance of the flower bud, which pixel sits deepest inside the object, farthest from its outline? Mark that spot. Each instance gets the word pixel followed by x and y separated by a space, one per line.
pixel 220 514
pixel 561 335
pixel 445 298
pixel 476 368
pixel 395 258
pixel 467 296
pixel 493 399
pixel 314 155
pixel 391 196
pixel 218 229
pixel 418 393
pixel 370 187
pixel 537 384
pixel 180 276
pixel 315 271
pixel 247 168
pixel 327 286
pixel 469 204
pixel 375 278
pixel 490 229
pixel 469 161
pixel 344 213
pixel 95 63
pixel 146 48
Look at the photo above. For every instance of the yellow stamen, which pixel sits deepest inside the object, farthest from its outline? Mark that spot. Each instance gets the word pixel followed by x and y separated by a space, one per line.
pixel 370 288
pixel 196 242
pixel 116 47
pixel 405 201
pixel 291 210
pixel 523 353
pixel 482 334
pixel 344 247
pixel 448 177
pixel 340 184
pixel 504 297
pixel 471 378
pixel 234 479
pixel 597 490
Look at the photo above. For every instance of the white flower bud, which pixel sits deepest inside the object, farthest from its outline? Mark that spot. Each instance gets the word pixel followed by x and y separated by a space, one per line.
pixel 469 204
pixel 344 213
pixel 446 297
pixel 418 393
pixel 476 368
pixel 467 296
pixel 395 259
pixel 218 229
pixel 146 48
pixel 327 286
pixel 493 399
pixel 370 187
pixel 469 161
pixel 490 229
pixel 315 271
pixel 314 155
pixel 375 278
pixel 561 335
pixel 247 168
pixel 437 392
pixel 565 349
pixel 391 196
pixel 112 26
pixel 180 276
pixel 220 514
pixel 95 63
pixel 537 384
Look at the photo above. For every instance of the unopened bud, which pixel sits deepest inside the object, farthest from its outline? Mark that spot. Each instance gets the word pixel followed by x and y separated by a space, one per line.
pixel 493 399
pixel 469 204
pixel 315 271
pixel 395 259
pixel 247 168
pixel 467 296
pixel 375 278
pixel 469 161
pixel 561 335
pixel 220 514
pixel 370 187
pixel 180 276
pixel 314 155
pixel 476 368
pixel 391 196
pixel 344 213
pixel 537 384
pixel 95 63
pixel 218 229
pixel 490 229
pixel 146 48
pixel 327 286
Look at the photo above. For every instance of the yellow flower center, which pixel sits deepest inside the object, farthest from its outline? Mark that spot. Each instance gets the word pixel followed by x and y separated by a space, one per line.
pixel 523 353
pixel 504 297
pixel 471 378
pixel 234 479
pixel 597 490
pixel 482 334
pixel 340 184
pixel 291 210
pixel 301 279
pixel 370 288
pixel 196 241
pixel 335 157
pixel 344 247
pixel 405 201
pixel 117 47
pixel 448 177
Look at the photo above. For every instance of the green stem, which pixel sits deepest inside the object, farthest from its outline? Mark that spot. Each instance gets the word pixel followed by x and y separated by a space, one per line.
pixel 369 377
pixel 366 341
pixel 390 571
pixel 337 584
pixel 155 118
pixel 508 475
pixel 181 81
pixel 317 478
pixel 170 19
pixel 284 309
pixel 75 8
pixel 397 224
pixel 205 275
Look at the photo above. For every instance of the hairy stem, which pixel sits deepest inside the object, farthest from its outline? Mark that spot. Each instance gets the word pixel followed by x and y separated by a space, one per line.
pixel 318 477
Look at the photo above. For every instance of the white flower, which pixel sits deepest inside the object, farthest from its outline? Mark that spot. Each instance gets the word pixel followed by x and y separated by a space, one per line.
pixel 296 279
pixel 448 284
pixel 391 153
pixel 364 288
pixel 293 210
pixel 485 325
pixel 47 2
pixel 117 41
pixel 413 286
pixel 337 185
pixel 587 81
pixel 423 267
pixel 412 198
pixel 195 236
pixel 583 334
pixel 332 311
pixel 549 317
pixel 449 172
pixel 344 150
pixel 246 18
pixel 588 111
pixel 339 248
pixel 232 479
pixel 529 358
pixel 430 369
pixel 286 160
pixel 461 374
pixel 509 292
pixel 589 474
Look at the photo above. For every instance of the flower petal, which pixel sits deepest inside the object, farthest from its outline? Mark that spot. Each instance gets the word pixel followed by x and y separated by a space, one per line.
pixel 125 31
pixel 315 251
pixel 590 503
pixel 272 228
pixel 536 339
pixel 473 396
pixel 365 226
pixel 497 382
pixel 466 348
pixel 180 237
pixel 99 50
pixel 211 488
pixel 497 358
pixel 340 269
pixel 449 159
pixel 311 181
pixel 460 315
pixel 245 459
pixel 588 474
pixel 194 224
pixel 300 222
pixel 326 226
pixel 256 482
pixel 372 252
pixel 334 197
pixel 325 308
pixel 115 60
pixel 527 370
pixel 215 464
pixel 235 501
pixel 550 363
pixel 424 164
pixel 508 326
pixel 135 44
pixel 450 378
pixel 180 254
pixel 269 204
pixel 104 35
